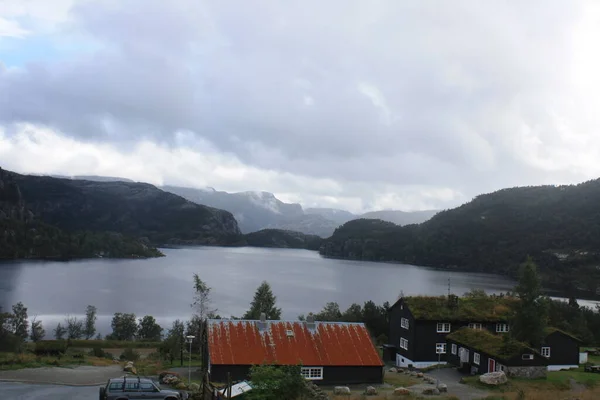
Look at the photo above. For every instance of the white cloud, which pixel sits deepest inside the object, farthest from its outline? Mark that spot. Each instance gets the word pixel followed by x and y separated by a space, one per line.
pixel 402 105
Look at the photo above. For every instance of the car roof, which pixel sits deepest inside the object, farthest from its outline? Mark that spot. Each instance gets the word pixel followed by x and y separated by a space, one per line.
pixel 131 379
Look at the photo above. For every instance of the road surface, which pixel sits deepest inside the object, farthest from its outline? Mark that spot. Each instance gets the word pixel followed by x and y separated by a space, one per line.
pixel 21 391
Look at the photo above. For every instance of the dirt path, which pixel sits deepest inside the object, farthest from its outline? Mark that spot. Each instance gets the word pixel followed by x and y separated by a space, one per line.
pixel 77 376
pixel 451 378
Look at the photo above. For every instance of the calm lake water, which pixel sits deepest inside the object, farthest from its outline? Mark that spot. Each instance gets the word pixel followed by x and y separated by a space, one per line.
pixel 302 280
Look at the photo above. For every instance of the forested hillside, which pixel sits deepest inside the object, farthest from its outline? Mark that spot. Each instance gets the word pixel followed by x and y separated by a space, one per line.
pixel 24 235
pixel 559 226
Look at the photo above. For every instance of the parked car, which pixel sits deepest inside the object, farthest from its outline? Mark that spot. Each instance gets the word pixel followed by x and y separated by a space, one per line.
pixel 127 388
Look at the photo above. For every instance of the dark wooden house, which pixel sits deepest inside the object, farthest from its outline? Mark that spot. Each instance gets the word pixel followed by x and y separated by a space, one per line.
pixel 328 352
pixel 480 351
pixel 419 325
pixel 561 349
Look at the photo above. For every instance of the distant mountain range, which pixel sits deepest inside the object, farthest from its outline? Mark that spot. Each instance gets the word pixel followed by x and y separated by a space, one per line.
pixel 256 210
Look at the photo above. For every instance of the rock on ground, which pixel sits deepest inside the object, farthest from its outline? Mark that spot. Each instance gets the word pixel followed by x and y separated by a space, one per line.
pixel 431 391
pixel 442 387
pixel 341 390
pixel 370 391
pixel 493 378
pixel 401 391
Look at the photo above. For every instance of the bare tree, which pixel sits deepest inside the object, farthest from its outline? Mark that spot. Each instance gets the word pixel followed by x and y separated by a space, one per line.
pixel 37 330
pixel 202 310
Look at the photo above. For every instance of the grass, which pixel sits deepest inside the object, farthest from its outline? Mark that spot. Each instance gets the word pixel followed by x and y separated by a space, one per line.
pixel 12 361
pixel 502 347
pixel 480 308
pixel 555 386
pixel 395 379
pixel 591 358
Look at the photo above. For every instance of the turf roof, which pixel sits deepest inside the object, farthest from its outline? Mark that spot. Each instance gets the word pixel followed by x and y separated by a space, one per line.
pixel 475 309
pixel 551 330
pixel 494 345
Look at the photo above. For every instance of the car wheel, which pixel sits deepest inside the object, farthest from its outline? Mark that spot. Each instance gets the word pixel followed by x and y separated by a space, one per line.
pixel 102 393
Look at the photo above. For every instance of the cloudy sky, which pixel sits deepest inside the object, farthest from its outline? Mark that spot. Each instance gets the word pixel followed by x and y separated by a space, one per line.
pixel 353 104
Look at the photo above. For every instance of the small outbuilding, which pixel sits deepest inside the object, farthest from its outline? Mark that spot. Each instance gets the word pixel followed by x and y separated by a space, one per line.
pixel 479 352
pixel 328 352
pixel 562 350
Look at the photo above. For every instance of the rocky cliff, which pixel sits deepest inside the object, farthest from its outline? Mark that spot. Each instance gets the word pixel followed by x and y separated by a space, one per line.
pixel 283 239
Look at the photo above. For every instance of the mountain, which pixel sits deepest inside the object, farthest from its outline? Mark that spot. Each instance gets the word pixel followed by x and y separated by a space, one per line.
pixel 400 217
pixel 255 211
pixel 24 235
pixel 135 209
pixel 283 239
pixel 559 226
pixel 333 214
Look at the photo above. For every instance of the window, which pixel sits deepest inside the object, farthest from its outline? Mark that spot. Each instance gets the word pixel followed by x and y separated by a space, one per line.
pixel 453 348
pixel 475 325
pixel 403 344
pixel 546 352
pixel 501 327
pixel 527 357
pixel 443 327
pixel 148 387
pixel 313 373
pixel 404 323
pixel 500 367
pixel 440 348
pixel 476 358
pixel 115 386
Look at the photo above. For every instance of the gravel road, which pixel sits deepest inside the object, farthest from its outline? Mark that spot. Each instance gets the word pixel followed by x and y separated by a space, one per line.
pixel 84 375
pixel 21 391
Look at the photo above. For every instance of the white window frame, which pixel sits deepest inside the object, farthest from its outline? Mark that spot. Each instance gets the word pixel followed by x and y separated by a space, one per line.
pixel 476 358
pixel 453 348
pixel 502 328
pixel 546 351
pixel 500 367
pixel 403 343
pixel 312 373
pixel 404 323
pixel 440 348
pixel 443 327
pixel 476 325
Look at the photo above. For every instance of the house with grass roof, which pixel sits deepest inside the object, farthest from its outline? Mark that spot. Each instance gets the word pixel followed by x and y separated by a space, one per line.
pixel 480 351
pixel 419 325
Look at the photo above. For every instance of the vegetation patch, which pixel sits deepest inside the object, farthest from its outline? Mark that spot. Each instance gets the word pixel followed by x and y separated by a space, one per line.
pixel 468 308
pixel 502 347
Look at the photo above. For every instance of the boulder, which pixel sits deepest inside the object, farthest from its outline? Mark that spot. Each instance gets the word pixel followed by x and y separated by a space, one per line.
pixel 194 387
pixel 419 374
pixel 431 391
pixel 180 386
pixel 392 370
pixel 370 391
pixel 443 388
pixel 494 378
pixel 429 379
pixel 413 373
pixel 341 390
pixel 401 391
pixel 400 370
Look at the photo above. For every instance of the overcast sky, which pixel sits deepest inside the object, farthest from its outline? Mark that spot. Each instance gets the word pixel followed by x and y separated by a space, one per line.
pixel 353 104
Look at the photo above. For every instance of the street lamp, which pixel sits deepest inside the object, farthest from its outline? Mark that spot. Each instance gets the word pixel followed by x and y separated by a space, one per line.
pixel 189 340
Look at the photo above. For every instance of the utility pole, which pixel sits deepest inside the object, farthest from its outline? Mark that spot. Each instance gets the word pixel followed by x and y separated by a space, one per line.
pixel 190 339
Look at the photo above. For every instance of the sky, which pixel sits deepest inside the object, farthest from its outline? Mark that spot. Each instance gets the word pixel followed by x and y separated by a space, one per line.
pixel 359 105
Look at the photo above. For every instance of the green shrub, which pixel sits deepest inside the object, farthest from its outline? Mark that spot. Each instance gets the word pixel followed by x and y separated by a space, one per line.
pixel 130 354
pixel 55 348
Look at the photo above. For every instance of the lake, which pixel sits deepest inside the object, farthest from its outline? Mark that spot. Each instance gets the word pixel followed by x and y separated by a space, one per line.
pixel 302 280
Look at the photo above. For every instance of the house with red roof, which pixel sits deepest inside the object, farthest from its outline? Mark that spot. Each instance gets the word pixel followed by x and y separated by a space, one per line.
pixel 328 352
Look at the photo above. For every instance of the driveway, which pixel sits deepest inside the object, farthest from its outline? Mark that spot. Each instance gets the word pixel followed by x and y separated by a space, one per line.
pixel 451 377
pixel 21 391
pixel 83 375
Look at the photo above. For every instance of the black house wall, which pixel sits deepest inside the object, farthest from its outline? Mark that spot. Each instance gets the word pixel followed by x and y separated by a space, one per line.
pixel 564 350
pixel 331 375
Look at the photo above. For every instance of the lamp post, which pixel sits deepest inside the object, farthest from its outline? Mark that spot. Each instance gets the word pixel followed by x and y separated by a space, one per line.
pixel 189 340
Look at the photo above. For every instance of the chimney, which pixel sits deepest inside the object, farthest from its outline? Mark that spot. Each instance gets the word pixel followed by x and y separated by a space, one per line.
pixel 310 322
pixel 262 323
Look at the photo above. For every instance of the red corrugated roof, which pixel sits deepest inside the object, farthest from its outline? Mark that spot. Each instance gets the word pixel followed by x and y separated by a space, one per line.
pixel 329 344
